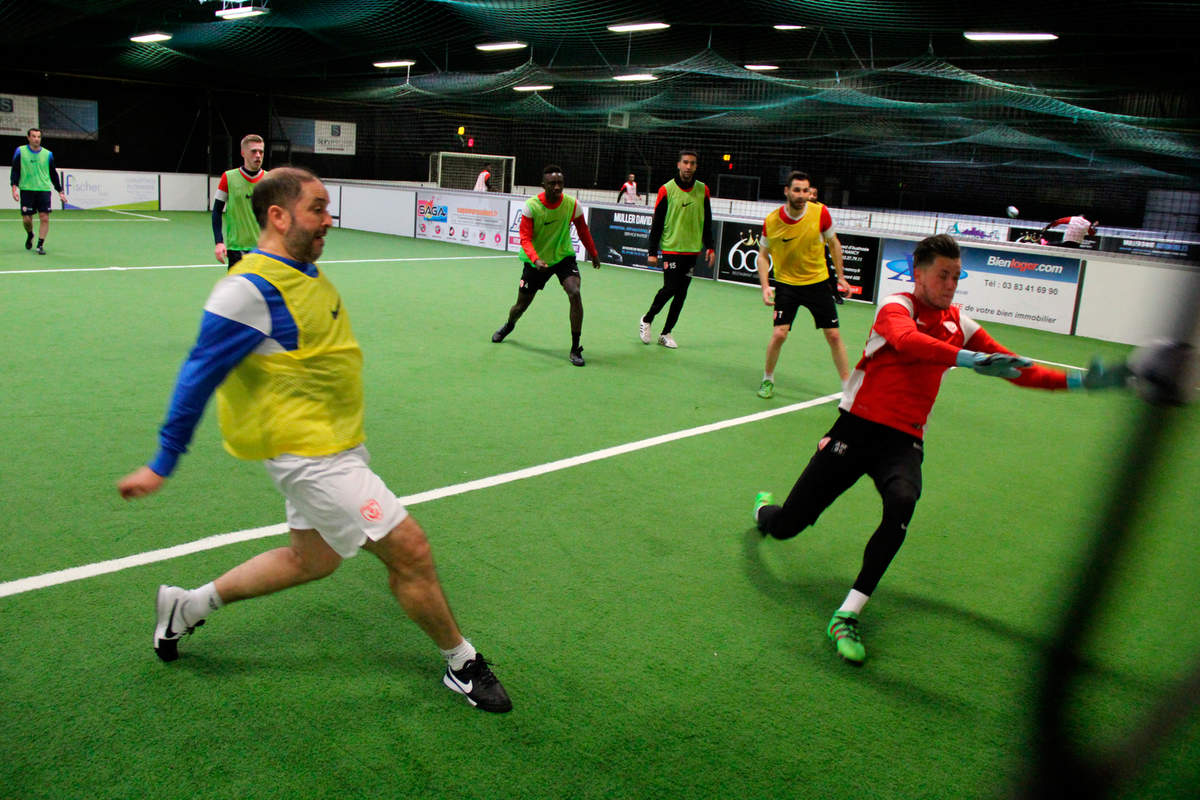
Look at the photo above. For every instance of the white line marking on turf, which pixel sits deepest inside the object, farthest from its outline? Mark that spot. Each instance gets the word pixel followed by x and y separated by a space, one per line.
pixel 143 216
pixel 214 264
pixel 220 540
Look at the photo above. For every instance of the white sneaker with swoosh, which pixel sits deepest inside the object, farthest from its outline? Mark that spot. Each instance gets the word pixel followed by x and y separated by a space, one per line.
pixel 171 626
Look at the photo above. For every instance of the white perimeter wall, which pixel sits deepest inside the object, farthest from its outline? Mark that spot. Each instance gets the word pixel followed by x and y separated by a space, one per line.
pixel 1123 299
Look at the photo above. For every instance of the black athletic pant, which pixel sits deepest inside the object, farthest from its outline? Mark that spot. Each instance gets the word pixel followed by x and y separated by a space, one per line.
pixel 677 276
pixel 855 447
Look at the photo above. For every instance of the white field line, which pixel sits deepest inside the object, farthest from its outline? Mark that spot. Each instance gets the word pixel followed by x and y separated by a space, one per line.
pixel 220 540
pixel 214 264
pixel 143 216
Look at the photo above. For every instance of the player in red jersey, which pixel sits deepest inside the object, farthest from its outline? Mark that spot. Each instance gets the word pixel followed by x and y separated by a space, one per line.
pixel 916 337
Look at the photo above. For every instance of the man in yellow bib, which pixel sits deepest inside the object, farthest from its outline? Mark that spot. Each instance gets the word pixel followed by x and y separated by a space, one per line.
pixel 275 344
pixel 793 242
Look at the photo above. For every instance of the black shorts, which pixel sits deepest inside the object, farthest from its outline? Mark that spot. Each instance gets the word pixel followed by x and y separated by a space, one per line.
pixel 34 202
pixel 853 447
pixel 534 279
pixel 677 266
pixel 815 297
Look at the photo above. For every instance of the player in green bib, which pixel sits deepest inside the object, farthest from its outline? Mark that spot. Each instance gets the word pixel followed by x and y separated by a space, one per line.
pixel 682 227
pixel 234 227
pixel 546 249
pixel 33 174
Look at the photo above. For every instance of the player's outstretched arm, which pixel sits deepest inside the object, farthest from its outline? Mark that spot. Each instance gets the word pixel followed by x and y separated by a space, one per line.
pixel 996 365
pixel 1099 376
pixel 139 483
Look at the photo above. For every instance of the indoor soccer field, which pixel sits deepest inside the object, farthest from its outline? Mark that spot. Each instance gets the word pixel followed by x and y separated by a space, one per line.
pixel 592 530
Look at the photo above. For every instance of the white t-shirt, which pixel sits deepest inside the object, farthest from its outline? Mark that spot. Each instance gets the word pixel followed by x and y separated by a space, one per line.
pixel 629 192
pixel 1077 228
pixel 481 181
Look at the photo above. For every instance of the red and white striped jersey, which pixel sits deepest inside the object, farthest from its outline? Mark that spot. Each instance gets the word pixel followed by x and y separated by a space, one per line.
pixel 909 348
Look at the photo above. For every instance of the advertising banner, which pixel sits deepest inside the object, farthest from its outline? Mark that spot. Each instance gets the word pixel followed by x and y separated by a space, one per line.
pixel 622 237
pixel 738 259
pixel 514 230
pixel 132 191
pixel 860 264
pixel 337 138
pixel 474 219
pixel 1032 290
pixel 1177 251
pixel 18 113
pixel 973 229
pixel 737 252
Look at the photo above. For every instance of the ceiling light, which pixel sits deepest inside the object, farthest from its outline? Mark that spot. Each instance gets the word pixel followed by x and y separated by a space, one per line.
pixel 150 37
pixel 1011 37
pixel 790 27
pixel 637 76
pixel 390 64
pixel 635 27
pixel 234 12
pixel 488 48
pixel 541 87
pixel 761 67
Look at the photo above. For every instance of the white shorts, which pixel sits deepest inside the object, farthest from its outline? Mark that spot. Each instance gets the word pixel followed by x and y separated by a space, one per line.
pixel 338 496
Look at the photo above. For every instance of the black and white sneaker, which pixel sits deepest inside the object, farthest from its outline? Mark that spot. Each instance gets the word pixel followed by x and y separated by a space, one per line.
pixel 41 250
pixel 479 685
pixel 577 357
pixel 170 628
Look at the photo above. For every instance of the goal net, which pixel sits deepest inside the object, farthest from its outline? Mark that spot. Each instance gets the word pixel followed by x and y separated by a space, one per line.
pixel 460 170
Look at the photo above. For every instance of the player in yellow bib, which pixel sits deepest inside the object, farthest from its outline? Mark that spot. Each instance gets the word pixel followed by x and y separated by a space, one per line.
pixel 546 249
pixel 793 243
pixel 275 344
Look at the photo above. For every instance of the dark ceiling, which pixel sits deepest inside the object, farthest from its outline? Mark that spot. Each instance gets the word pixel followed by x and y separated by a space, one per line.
pixel 1105 49
pixel 890 82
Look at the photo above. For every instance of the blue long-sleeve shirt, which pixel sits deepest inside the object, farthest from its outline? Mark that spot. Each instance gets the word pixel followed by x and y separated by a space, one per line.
pixel 241 314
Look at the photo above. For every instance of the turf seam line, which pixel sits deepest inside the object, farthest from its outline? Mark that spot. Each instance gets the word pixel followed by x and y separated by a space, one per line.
pixel 49 579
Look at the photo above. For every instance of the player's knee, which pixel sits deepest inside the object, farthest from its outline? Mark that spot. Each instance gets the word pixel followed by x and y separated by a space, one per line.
pixel 780 333
pixel 900 500
pixel 832 335
pixel 408 547
pixel 316 563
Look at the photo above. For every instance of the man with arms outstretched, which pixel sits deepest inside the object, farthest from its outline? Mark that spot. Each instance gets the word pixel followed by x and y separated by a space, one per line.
pixel 275 344
pixel 916 337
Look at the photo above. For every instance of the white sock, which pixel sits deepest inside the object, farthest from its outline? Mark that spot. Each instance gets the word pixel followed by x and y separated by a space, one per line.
pixel 457 657
pixel 855 601
pixel 200 603
pixel 769 376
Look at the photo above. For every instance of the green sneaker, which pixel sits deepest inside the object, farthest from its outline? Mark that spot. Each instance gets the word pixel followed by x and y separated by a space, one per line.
pixel 767 390
pixel 843 632
pixel 762 499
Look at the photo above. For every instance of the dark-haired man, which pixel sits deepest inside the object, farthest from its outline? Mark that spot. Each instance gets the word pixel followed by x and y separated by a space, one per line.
pixel 234 228
pixel 793 241
pixel 682 227
pixel 546 250
pixel 275 344
pixel 916 337
pixel 33 174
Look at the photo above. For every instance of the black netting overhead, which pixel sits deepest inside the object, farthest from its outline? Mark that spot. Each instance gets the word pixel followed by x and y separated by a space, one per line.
pixel 886 104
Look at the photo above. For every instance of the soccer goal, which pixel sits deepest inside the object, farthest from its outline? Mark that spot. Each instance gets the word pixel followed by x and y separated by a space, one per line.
pixel 737 187
pixel 460 170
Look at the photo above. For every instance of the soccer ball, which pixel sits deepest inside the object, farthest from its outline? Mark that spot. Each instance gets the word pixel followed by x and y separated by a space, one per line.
pixel 1012 211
